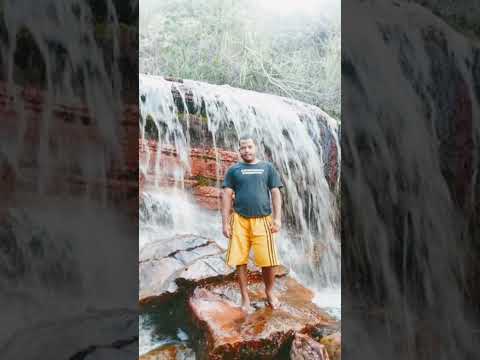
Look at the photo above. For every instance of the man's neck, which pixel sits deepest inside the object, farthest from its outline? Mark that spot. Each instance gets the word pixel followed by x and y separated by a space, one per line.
pixel 251 162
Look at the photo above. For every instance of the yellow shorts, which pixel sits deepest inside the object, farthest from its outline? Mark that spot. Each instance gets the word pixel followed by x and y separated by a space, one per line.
pixel 251 232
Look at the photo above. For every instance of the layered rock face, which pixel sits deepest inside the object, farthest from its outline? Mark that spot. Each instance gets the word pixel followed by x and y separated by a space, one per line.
pixel 202 178
pixel 44 148
pixel 207 169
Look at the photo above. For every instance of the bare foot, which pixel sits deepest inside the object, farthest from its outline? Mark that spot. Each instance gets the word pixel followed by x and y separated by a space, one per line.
pixel 245 303
pixel 272 300
pixel 247 307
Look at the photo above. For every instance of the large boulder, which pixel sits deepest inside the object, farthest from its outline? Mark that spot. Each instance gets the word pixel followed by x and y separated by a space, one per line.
pixel 167 264
pixel 229 332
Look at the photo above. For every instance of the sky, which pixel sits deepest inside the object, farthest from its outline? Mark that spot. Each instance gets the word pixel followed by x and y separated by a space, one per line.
pixel 329 9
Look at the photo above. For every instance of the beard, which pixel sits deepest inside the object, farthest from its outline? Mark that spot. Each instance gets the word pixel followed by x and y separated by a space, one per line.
pixel 248 158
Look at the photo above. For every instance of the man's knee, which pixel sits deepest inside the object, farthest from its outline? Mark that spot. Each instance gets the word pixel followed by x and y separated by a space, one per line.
pixel 242 267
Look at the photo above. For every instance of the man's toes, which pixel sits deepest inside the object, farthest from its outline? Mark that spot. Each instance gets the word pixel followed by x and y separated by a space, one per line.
pixel 247 309
pixel 273 302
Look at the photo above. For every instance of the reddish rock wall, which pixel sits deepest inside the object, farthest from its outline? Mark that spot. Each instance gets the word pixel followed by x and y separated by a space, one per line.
pixel 202 178
pixel 73 137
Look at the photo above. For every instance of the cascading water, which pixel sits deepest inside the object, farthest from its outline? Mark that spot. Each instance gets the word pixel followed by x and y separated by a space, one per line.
pixel 295 136
pixel 46 250
pixel 410 184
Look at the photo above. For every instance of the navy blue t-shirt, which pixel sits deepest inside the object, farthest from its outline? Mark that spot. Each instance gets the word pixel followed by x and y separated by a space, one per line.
pixel 252 184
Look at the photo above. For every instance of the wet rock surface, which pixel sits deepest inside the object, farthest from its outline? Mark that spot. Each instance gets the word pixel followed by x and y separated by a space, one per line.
pixel 170 352
pixel 188 275
pixel 88 335
pixel 185 260
pixel 305 348
pixel 264 333
pixel 333 344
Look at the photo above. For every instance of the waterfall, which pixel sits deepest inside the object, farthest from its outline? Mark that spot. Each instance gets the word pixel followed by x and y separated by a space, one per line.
pixel 296 137
pixel 409 184
pixel 61 140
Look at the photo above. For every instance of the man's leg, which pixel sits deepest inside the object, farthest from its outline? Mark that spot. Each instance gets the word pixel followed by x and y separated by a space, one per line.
pixel 237 253
pixel 243 282
pixel 268 273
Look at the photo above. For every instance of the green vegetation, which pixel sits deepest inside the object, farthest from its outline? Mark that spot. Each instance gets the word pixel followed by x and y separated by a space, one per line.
pixel 204 181
pixel 463 16
pixel 240 44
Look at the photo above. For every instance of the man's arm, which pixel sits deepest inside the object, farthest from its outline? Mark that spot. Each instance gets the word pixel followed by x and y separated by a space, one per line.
pixel 277 209
pixel 226 209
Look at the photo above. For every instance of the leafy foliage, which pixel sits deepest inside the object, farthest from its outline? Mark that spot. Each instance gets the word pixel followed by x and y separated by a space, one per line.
pixel 236 43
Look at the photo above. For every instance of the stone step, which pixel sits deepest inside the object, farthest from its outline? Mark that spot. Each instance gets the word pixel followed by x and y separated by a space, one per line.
pixel 229 332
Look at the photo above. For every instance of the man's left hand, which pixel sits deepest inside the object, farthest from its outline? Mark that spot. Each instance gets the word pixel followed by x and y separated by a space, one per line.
pixel 275 226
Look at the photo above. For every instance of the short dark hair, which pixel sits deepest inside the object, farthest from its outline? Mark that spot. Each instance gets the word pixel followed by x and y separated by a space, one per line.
pixel 245 136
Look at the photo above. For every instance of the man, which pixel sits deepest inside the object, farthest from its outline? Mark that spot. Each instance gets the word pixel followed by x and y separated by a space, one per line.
pixel 256 186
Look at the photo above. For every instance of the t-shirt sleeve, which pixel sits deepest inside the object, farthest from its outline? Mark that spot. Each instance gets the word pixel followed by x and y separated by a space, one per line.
pixel 228 179
pixel 274 180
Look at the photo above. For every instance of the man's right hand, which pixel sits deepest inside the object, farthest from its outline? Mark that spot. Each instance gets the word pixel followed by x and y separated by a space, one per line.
pixel 226 230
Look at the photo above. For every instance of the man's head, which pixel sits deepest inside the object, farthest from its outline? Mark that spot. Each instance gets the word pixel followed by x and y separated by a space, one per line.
pixel 247 148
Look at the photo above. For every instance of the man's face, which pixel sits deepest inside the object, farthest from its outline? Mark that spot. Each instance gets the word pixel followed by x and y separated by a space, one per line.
pixel 247 150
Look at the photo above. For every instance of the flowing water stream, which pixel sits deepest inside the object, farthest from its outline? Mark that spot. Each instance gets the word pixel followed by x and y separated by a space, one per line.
pixel 411 181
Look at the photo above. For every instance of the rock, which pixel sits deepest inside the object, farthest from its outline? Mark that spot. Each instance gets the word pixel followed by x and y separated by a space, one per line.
pixel 87 335
pixel 165 247
pixel 201 178
pixel 169 352
pixel 169 265
pixel 333 344
pixel 72 128
pixel 141 181
pixel 204 162
pixel 156 278
pixel 206 268
pixel 305 348
pixel 208 197
pixel 264 334
pixel 203 173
